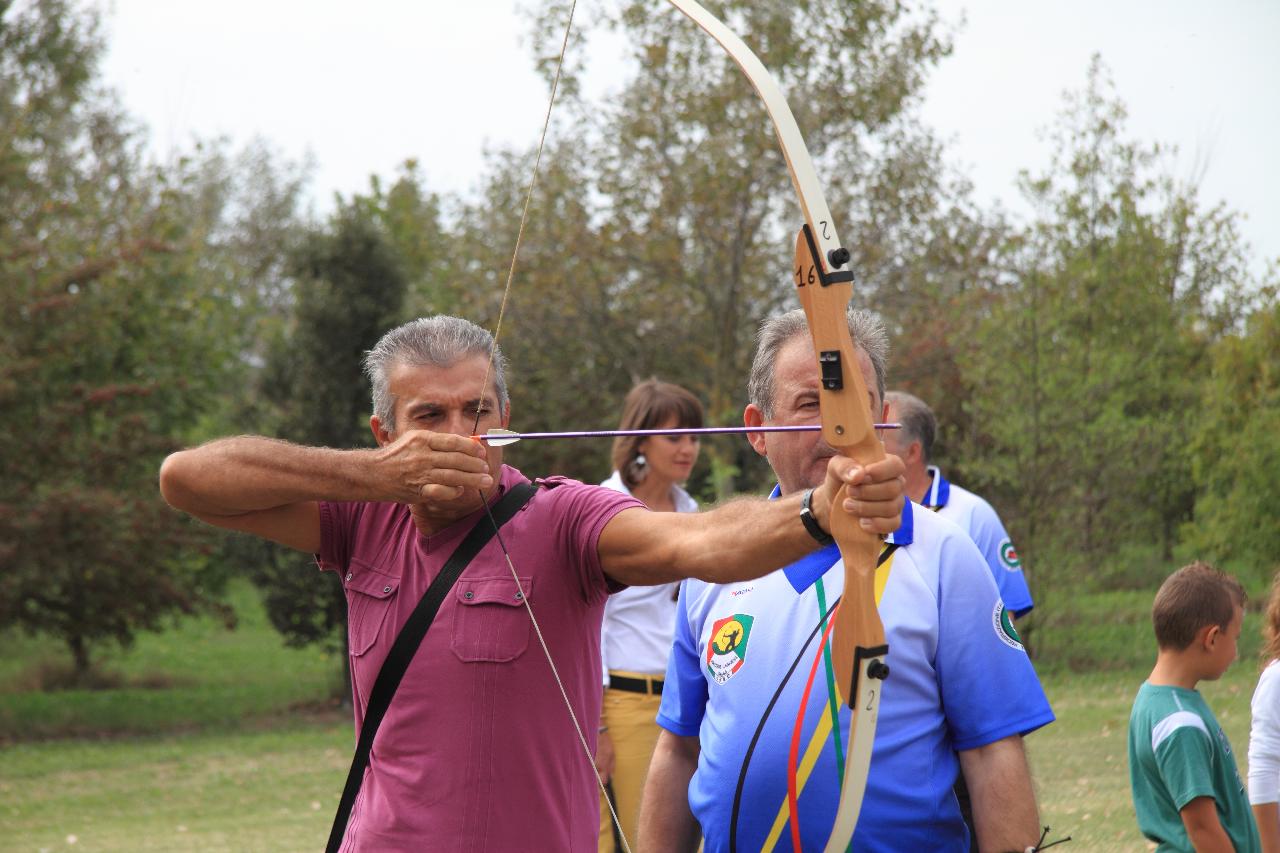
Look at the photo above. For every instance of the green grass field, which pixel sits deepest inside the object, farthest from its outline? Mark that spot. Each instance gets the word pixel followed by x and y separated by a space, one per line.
pixel 244 753
pixel 214 677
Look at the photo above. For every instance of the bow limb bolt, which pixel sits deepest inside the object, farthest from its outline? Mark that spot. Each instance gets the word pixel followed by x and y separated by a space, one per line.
pixel 858 644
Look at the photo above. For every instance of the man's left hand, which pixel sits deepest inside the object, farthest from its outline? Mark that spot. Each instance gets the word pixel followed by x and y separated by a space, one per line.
pixel 876 492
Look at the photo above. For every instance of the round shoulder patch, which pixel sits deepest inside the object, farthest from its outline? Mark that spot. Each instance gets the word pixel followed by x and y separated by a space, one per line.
pixel 1003 624
pixel 1009 556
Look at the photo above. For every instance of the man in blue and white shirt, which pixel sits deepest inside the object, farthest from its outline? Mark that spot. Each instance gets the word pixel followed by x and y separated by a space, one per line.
pixel 913 443
pixel 749 765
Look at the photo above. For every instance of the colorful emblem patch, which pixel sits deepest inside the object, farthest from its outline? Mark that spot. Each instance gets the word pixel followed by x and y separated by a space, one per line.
pixel 1003 623
pixel 1009 556
pixel 727 648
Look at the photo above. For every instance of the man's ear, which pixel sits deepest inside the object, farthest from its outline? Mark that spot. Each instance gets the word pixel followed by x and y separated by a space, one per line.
pixel 915 452
pixel 1208 636
pixel 506 415
pixel 380 435
pixel 753 417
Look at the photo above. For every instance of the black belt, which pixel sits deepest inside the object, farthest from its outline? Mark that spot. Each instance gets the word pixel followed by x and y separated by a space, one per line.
pixel 647 686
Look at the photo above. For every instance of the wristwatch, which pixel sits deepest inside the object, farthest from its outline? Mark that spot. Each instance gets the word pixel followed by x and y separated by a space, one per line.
pixel 811 523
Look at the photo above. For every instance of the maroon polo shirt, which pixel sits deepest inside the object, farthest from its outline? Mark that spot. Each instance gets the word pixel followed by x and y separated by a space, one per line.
pixel 477 751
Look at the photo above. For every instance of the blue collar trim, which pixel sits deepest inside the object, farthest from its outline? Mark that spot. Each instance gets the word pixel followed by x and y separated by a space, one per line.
pixel 905 533
pixel 803 573
pixel 939 490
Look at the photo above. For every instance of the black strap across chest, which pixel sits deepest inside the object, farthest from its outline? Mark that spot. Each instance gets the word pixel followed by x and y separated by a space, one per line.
pixel 409 639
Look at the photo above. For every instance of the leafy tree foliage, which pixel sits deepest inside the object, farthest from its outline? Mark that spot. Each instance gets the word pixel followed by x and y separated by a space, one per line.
pixel 1086 352
pixel 109 348
pixel 1235 448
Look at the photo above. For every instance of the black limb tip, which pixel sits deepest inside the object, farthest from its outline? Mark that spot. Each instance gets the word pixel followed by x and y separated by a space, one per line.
pixel 838 257
pixel 878 669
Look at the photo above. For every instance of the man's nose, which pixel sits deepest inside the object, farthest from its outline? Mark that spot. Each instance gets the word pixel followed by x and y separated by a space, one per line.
pixel 458 423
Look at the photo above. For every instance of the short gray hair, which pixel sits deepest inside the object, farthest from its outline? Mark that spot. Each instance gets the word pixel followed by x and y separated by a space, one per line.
pixel 917 419
pixel 866 329
pixel 440 341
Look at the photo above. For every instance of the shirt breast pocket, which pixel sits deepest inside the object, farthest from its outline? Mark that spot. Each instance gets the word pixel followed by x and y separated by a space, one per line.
pixel 370 596
pixel 489 620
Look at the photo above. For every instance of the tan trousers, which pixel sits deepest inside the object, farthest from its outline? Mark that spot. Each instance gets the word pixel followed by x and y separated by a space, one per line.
pixel 630 718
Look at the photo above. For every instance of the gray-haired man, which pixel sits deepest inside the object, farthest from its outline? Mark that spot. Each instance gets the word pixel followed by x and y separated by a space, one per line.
pixel 737 707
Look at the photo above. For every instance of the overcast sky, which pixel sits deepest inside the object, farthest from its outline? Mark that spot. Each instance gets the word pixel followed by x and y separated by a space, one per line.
pixel 360 88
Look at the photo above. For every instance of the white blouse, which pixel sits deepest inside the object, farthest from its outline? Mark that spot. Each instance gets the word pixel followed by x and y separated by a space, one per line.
pixel 639 621
pixel 1264 738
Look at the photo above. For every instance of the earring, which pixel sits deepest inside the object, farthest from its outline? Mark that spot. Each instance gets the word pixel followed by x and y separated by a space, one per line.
pixel 638 470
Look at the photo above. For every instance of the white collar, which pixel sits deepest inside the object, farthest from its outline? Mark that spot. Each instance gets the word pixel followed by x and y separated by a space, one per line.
pixel 683 501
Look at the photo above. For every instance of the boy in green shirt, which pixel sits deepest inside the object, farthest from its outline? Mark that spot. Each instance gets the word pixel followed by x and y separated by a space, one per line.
pixel 1186 789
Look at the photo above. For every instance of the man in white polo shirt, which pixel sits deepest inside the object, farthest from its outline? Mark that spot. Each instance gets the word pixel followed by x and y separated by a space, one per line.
pixel 746 762
pixel 927 487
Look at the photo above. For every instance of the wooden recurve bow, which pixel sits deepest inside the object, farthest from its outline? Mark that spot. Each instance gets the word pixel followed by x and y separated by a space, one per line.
pixel 824 287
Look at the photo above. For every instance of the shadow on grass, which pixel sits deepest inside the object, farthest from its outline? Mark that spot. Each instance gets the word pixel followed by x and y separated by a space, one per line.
pixel 50 675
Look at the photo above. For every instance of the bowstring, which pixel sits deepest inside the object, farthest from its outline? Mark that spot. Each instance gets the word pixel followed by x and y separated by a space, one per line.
pixel 528 199
pixel 497 330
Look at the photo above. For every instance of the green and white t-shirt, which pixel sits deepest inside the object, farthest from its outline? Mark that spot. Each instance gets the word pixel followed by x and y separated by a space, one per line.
pixel 1177 752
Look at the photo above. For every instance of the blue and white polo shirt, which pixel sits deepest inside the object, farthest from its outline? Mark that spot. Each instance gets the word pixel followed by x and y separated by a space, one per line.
pixel 978 518
pixel 743 653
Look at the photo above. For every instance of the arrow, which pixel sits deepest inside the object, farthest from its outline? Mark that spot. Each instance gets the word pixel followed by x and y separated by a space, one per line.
pixel 503 437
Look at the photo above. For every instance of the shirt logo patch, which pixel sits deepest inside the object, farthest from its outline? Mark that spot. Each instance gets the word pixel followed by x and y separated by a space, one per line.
pixel 1009 556
pixel 727 648
pixel 1003 623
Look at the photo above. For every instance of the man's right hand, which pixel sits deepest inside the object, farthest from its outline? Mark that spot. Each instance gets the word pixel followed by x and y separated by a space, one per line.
pixel 432 467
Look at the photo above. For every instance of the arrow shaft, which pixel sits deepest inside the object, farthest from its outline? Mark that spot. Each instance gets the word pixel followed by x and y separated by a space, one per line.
pixel 616 433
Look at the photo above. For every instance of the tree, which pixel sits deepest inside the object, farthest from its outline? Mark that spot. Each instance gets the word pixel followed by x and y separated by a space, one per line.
pixel 110 349
pixel 1235 446
pixel 411 217
pixel 349 289
pixel 1085 357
